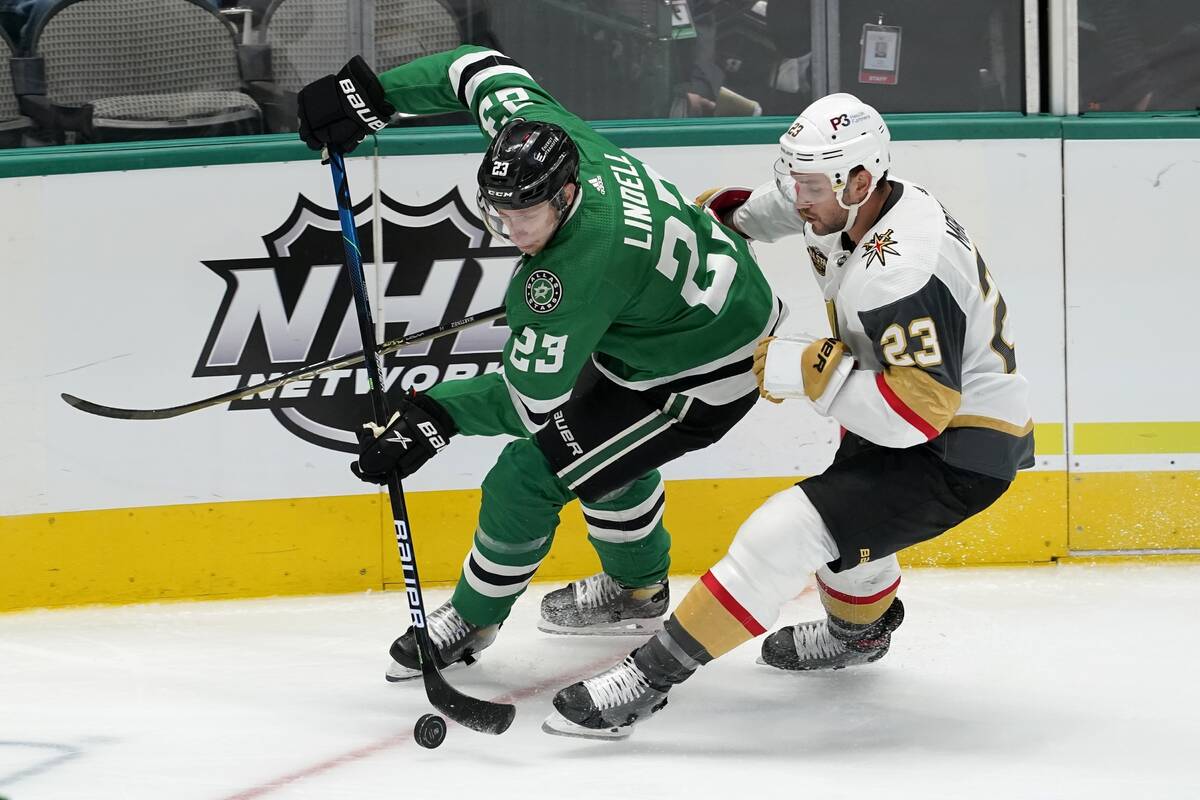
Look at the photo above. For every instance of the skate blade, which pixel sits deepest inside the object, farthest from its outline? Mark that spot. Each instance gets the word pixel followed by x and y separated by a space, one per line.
pixel 399 674
pixel 800 670
pixel 558 725
pixel 626 627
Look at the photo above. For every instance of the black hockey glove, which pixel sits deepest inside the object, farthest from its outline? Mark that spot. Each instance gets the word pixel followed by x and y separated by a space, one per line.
pixel 338 111
pixel 417 431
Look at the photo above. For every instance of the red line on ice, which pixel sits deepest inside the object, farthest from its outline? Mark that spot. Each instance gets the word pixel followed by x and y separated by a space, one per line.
pixel 402 738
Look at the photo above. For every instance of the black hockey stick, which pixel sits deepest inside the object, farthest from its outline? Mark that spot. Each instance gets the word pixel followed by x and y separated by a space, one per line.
pixel 300 374
pixel 471 712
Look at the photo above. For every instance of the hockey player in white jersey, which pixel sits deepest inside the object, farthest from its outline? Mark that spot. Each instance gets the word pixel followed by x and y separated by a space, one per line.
pixel 920 371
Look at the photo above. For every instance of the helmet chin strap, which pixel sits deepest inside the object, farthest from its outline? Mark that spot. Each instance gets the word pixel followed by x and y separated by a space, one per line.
pixel 852 208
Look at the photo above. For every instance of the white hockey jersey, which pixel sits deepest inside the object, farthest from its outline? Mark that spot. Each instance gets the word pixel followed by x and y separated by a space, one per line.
pixel 916 305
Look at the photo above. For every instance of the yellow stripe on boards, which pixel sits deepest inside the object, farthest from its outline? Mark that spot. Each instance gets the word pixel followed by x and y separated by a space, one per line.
pixel 1049 439
pixel 207 550
pixel 1135 438
pixel 1135 510
pixel 345 544
pixel 1028 524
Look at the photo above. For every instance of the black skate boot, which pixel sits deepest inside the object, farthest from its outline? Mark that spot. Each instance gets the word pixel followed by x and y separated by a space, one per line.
pixel 599 606
pixel 606 706
pixel 454 640
pixel 831 643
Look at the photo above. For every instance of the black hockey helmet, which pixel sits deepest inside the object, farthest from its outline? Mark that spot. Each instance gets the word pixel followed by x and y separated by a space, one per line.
pixel 526 164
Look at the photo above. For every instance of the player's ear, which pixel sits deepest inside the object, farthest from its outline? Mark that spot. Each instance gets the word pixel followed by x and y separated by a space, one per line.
pixel 860 185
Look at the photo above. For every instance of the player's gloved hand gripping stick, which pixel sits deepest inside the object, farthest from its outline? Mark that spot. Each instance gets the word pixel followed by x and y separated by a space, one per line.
pixel 416 432
pixel 471 712
pixel 337 111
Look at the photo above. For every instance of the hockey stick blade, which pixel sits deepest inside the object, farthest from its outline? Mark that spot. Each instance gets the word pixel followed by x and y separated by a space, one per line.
pixel 301 374
pixel 483 716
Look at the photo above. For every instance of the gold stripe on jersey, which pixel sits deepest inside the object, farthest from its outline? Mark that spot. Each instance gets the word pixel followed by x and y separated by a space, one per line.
pixel 857 610
pixel 924 395
pixel 831 312
pixel 976 421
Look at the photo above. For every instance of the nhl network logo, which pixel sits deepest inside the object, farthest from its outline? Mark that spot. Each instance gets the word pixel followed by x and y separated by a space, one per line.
pixel 293 307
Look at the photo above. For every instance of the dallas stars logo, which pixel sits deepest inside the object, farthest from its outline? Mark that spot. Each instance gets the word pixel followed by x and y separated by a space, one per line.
pixel 543 291
pixel 880 246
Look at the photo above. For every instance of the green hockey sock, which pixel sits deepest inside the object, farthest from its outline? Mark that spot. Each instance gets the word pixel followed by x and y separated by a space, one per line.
pixel 627 530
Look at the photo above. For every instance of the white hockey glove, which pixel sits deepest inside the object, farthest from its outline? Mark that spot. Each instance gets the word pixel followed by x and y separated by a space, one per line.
pixel 789 367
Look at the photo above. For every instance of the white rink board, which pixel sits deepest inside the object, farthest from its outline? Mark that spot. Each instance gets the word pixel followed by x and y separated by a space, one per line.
pixel 1132 279
pixel 108 298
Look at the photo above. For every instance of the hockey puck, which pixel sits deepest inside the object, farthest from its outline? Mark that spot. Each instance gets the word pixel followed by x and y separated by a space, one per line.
pixel 430 731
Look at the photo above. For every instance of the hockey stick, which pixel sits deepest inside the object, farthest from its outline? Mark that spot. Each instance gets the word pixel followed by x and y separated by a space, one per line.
pixel 303 373
pixel 471 712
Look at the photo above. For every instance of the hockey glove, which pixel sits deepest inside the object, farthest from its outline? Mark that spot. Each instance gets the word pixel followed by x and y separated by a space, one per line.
pixel 417 431
pixel 800 366
pixel 338 111
pixel 721 203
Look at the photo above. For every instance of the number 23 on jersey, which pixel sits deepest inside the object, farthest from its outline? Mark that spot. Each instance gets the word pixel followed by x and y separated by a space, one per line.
pixel 534 353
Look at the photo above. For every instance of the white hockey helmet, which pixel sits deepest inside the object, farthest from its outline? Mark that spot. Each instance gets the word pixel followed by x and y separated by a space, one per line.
pixel 831 137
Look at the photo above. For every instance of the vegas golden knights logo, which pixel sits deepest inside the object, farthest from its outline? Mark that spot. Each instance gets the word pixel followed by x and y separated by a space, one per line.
pixel 880 247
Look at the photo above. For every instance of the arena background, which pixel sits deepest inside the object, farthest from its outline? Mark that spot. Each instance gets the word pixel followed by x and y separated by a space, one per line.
pixel 119 290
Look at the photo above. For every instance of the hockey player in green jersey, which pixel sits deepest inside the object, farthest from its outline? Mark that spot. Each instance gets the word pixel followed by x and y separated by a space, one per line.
pixel 633 315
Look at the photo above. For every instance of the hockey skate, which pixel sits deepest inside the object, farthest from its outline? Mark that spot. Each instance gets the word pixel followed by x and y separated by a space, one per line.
pixel 606 706
pixel 831 643
pixel 599 606
pixel 455 641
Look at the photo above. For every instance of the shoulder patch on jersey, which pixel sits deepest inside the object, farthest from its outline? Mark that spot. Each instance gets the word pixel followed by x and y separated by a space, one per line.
pixel 543 291
pixel 819 260
pixel 597 183
pixel 880 247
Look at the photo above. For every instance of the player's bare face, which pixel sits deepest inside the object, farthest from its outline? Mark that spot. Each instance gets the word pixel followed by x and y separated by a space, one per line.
pixel 530 228
pixel 816 204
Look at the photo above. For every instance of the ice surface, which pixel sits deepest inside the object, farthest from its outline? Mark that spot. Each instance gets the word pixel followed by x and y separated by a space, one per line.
pixel 1054 682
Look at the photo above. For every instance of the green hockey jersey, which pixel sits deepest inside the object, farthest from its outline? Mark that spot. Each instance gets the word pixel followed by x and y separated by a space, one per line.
pixel 639 280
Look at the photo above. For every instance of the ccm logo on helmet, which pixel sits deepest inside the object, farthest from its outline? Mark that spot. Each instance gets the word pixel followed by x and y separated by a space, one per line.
pixel 356 102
